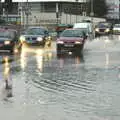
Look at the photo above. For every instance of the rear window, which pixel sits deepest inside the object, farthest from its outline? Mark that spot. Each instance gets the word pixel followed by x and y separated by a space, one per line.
pixel 72 33
pixel 7 33
pixel 117 25
pixel 35 31
pixel 104 25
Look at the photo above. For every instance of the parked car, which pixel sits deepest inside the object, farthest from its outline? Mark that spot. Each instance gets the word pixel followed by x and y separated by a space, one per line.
pixel 36 36
pixel 71 40
pixel 103 28
pixel 8 39
pixel 116 29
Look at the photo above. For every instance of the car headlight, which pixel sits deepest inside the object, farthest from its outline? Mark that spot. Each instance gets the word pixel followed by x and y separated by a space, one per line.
pixel 7 42
pixel 97 29
pixel 60 42
pixel 22 38
pixel 49 37
pixel 107 30
pixel 78 42
pixel 39 39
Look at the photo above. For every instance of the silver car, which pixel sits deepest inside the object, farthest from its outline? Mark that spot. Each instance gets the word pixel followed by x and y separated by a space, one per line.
pixel 36 36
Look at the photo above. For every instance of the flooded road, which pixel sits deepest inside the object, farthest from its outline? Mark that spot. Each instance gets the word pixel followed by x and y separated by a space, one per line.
pixel 44 87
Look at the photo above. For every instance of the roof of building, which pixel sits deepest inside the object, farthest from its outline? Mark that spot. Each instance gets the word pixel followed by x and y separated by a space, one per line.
pixel 47 0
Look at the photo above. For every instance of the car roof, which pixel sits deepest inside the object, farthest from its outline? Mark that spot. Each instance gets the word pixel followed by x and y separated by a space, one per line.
pixel 74 29
pixel 7 29
pixel 41 27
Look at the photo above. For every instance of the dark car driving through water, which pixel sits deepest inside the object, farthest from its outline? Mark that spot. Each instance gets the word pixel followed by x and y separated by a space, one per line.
pixel 36 36
pixel 8 39
pixel 103 28
pixel 71 40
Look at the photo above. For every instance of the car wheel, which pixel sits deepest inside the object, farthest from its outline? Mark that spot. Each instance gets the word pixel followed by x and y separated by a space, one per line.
pixel 43 44
pixel 79 49
pixel 59 51
pixel 12 50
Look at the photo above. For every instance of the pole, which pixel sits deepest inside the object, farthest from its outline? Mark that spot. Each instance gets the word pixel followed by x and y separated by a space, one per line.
pixel 92 8
pixel 0 9
pixel 27 14
pixel 57 12
pixel 92 14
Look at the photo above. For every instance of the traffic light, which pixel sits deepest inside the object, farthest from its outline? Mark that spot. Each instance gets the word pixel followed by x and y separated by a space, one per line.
pixel 8 5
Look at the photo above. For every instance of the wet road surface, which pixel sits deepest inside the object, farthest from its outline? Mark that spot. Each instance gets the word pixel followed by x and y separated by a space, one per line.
pixel 44 87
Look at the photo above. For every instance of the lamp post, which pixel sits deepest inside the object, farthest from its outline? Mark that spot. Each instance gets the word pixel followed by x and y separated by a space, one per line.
pixel 57 12
pixel 76 9
pixel 27 14
pixel 92 14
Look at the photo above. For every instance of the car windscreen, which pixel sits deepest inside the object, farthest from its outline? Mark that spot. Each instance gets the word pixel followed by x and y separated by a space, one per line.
pixel 117 25
pixel 35 31
pixel 6 34
pixel 72 33
pixel 102 25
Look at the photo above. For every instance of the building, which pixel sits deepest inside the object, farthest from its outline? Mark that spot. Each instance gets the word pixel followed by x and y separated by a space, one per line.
pixel 113 9
pixel 47 11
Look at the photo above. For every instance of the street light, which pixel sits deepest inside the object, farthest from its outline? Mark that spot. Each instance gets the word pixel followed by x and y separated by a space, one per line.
pixel 92 14
pixel 27 13
pixel 76 9
pixel 57 12
pixel 92 11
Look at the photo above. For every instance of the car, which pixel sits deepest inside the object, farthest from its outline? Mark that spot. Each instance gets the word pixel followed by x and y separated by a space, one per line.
pixel 103 28
pixel 36 36
pixel 8 39
pixel 116 29
pixel 71 40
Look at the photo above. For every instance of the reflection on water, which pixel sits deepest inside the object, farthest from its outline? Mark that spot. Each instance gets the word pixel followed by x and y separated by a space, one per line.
pixel 7 79
pixel 36 53
pixel 66 59
pixel 61 74
pixel 23 60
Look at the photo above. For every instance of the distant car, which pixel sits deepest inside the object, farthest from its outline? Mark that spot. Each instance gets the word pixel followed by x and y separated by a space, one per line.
pixel 103 28
pixel 116 29
pixel 71 40
pixel 8 39
pixel 36 36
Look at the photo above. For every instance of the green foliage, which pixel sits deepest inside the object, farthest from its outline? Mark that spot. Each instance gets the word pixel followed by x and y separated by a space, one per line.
pixel 100 8
pixel 2 21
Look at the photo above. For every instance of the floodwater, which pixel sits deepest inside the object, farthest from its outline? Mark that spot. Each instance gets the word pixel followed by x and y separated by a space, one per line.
pixel 44 87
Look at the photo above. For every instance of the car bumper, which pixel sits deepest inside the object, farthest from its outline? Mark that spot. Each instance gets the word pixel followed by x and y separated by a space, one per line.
pixel 102 33
pixel 33 43
pixel 69 47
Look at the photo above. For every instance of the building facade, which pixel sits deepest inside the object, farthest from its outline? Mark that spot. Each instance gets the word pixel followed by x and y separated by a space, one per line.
pixel 113 9
pixel 39 12
pixel 47 11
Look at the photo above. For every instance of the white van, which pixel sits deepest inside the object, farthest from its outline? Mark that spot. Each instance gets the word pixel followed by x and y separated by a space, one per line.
pixel 84 25
pixel 87 28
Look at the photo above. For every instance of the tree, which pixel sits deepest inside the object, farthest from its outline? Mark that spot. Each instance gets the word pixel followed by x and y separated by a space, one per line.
pixel 8 6
pixel 100 8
